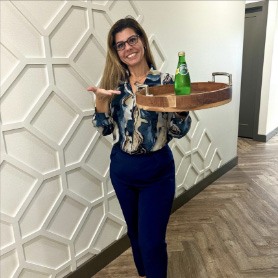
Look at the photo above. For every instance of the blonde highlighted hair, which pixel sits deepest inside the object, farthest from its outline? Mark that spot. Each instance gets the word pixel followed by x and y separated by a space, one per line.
pixel 115 71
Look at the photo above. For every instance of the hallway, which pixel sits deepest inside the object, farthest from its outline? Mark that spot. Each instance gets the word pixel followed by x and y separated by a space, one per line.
pixel 228 230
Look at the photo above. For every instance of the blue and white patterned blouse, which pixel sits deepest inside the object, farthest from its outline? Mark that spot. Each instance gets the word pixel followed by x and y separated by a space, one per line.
pixel 136 130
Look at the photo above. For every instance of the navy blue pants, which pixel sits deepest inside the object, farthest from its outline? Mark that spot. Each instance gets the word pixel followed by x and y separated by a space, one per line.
pixel 145 187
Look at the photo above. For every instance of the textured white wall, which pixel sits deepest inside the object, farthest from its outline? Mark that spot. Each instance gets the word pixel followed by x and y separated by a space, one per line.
pixel 268 118
pixel 58 208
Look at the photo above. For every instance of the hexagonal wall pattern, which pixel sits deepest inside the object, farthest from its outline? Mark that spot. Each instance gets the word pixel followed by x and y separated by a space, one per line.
pixel 7 235
pixel 37 252
pixel 22 184
pixel 58 206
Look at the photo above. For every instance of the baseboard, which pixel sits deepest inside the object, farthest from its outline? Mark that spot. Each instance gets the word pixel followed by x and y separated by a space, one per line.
pixel 189 194
pixel 265 138
pixel 94 265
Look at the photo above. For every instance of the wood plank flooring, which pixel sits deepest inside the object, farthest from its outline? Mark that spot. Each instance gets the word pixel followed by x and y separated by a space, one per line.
pixel 228 230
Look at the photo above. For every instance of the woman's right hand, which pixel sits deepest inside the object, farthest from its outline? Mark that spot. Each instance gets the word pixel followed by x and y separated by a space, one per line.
pixel 103 98
pixel 102 94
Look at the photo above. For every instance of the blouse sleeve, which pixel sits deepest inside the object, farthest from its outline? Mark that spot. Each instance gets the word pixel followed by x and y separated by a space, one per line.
pixel 103 122
pixel 179 125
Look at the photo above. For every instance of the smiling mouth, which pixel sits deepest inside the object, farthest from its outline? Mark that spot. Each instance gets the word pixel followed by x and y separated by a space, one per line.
pixel 131 55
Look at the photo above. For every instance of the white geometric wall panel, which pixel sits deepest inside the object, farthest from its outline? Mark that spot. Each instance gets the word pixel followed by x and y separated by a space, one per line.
pixel 58 207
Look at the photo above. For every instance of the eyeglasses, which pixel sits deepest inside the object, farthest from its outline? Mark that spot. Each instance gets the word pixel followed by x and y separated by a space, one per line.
pixel 132 40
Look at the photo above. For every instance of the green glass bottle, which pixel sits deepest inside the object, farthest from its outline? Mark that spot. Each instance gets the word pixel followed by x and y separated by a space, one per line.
pixel 182 77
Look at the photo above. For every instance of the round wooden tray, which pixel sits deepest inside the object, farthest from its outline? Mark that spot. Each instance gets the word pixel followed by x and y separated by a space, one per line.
pixel 203 95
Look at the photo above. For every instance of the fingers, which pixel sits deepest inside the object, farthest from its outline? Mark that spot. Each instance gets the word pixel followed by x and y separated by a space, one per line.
pixel 99 91
pixel 92 89
pixel 114 92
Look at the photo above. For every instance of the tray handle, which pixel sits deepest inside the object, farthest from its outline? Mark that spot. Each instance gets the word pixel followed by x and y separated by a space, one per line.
pixel 222 73
pixel 143 86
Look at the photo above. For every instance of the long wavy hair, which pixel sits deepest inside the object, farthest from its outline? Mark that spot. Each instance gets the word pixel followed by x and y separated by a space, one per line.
pixel 115 70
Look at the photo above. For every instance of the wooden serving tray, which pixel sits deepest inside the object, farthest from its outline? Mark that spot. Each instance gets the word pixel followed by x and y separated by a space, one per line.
pixel 203 95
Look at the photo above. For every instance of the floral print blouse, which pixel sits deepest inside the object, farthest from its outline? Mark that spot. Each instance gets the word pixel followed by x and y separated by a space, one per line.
pixel 136 130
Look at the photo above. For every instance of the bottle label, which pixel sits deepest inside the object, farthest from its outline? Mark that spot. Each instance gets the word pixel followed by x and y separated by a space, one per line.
pixel 182 70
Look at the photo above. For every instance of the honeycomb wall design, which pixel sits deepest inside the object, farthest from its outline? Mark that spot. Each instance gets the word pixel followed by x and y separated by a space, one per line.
pixel 58 207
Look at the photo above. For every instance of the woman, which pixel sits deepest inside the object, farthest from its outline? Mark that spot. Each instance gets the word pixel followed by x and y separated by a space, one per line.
pixel 142 167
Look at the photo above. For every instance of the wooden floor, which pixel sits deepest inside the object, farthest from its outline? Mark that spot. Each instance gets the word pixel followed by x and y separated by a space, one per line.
pixel 228 230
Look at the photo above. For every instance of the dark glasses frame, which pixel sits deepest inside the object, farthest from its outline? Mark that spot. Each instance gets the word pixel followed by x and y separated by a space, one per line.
pixel 132 40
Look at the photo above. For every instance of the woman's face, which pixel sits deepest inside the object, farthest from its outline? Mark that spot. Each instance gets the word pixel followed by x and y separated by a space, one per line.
pixel 131 55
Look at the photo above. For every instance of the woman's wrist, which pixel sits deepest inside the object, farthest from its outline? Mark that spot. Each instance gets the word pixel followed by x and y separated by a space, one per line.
pixel 102 105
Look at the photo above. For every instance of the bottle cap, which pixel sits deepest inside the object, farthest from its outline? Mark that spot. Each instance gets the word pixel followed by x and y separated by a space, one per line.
pixel 181 53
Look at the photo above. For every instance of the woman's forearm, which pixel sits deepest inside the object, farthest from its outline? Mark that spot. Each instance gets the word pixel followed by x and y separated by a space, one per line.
pixel 102 105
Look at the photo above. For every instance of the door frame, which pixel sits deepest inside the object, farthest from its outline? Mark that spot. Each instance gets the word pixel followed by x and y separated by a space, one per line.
pixel 263 7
